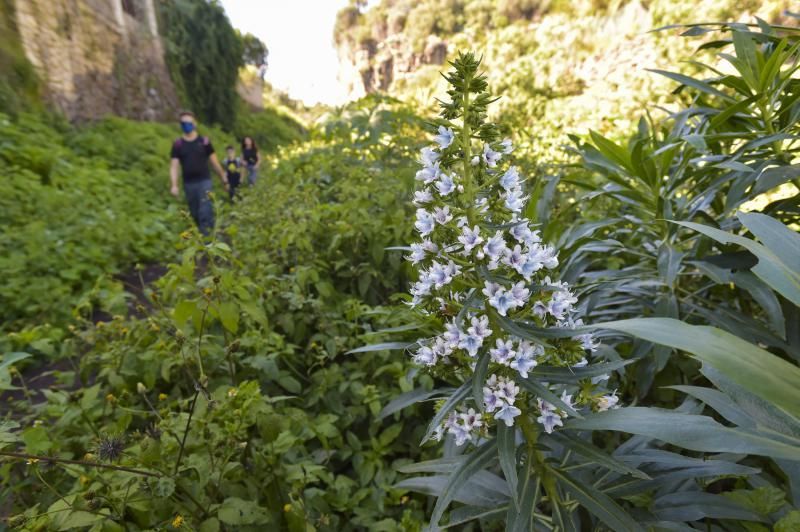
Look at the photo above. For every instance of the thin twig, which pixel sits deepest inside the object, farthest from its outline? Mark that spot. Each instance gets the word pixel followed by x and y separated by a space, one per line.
pixel 186 431
pixel 55 460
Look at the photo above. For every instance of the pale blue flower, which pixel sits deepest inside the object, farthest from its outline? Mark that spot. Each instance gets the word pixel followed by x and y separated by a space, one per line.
pixel 422 196
pixel 502 301
pixel 491 288
pixel 442 215
pixel 582 363
pixel 495 247
pixel 429 174
pixel 452 334
pixel 490 157
pixel 445 137
pixel 425 356
pixel 470 238
pixel 550 420
pixel 510 179
pixel 520 293
pixel 471 343
pixel 428 156
pixel 480 327
pixel 471 420
pixel 607 402
pixel 514 201
pixel 507 147
pixel 424 223
pixel 507 390
pixel 503 353
pixel 523 364
pixel 507 413
pixel 417 253
pixel 515 258
pixel 445 185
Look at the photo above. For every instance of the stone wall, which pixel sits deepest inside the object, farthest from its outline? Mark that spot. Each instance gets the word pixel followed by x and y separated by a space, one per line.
pixel 98 57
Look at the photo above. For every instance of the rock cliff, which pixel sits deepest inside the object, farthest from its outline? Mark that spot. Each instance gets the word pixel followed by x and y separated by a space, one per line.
pixel 98 57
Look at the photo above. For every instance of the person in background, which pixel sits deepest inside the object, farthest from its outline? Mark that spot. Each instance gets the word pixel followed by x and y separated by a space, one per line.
pixel 252 159
pixel 192 152
pixel 233 168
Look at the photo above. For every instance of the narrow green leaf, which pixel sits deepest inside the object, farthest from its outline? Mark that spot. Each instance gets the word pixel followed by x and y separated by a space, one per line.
pixel 579 446
pixel 598 503
pixel 756 370
pixel 385 346
pixel 476 461
pixel 507 452
pixel 409 398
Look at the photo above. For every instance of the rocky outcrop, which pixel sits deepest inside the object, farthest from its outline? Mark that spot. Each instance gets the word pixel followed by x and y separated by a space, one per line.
pixel 98 57
pixel 373 65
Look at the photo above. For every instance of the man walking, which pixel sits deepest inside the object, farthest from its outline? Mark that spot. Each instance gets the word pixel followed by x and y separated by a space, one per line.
pixel 192 153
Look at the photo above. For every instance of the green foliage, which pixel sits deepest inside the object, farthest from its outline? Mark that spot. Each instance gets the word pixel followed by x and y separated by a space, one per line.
pixel 254 50
pixel 204 54
pixel 269 128
pixel 19 84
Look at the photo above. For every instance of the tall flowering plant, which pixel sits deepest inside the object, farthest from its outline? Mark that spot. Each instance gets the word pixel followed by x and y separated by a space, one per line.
pixel 507 329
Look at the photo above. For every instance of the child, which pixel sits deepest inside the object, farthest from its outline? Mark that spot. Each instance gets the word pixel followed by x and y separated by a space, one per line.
pixel 233 167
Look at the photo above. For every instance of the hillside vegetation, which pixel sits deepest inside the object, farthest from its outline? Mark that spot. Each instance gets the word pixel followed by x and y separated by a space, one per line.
pixel 425 319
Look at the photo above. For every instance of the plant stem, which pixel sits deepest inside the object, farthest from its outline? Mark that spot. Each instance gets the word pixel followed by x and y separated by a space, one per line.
pixel 25 456
pixel 466 140
pixel 186 431
pixel 531 434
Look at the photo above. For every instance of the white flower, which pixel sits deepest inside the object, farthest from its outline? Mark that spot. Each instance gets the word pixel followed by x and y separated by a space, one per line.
pixel 567 399
pixel 523 363
pixel 442 215
pixel 475 160
pixel 550 419
pixel 452 334
pixel 507 413
pixel 429 174
pixel 424 223
pixel 428 156
pixel 425 356
pixel 490 288
pixel 422 196
pixel 503 353
pixel 417 253
pixel 588 342
pixel 480 327
pixel 429 246
pixel 471 343
pixel 490 157
pixel 514 201
pixel 470 238
pixel 582 363
pixel 510 179
pixel 514 258
pixel 600 378
pixel 503 301
pixel 445 185
pixel 528 350
pixel 507 390
pixel 520 293
pixel 445 137
pixel 507 146
pixel 495 247
pixel 471 420
pixel 608 402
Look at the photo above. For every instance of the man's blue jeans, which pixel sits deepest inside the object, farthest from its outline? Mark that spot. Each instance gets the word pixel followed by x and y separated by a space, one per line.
pixel 200 204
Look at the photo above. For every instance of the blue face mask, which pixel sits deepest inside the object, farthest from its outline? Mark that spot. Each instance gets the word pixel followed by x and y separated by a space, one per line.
pixel 187 127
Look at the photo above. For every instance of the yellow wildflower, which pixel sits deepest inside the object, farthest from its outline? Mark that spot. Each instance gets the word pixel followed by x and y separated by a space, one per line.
pixel 287 508
pixel 178 521
pixel 162 397
pixel 111 398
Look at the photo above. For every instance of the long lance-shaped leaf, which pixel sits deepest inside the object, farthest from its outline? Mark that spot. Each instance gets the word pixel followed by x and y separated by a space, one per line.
pixel 479 378
pixel 693 432
pixel 536 388
pixel 476 461
pixel 754 369
pixel 507 452
pixel 571 375
pixel 770 268
pixel 521 519
pixel 447 407
pixel 572 442
pixel 409 398
pixel 779 239
pixel 693 83
pixel 385 346
pixel 598 503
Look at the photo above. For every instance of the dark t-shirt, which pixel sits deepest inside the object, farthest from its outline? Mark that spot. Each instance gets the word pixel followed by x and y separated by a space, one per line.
pixel 193 155
pixel 250 156
pixel 232 169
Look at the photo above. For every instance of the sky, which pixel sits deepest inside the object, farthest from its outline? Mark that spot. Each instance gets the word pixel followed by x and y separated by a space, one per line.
pixel 299 35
